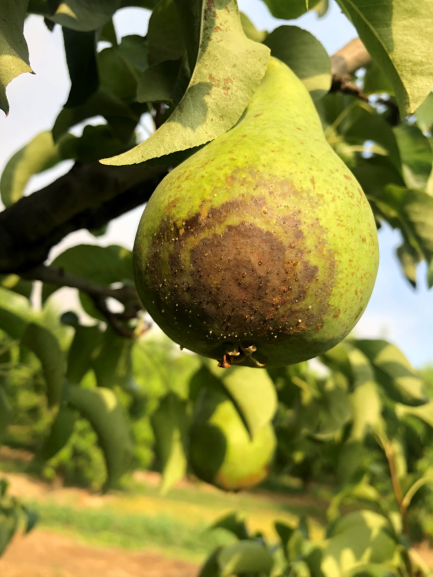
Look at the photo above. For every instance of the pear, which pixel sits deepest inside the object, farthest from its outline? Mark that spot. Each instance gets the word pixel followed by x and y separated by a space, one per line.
pixel 261 248
pixel 221 449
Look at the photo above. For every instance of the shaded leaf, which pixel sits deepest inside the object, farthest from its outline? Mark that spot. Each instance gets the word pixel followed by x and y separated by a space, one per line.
pixel 106 415
pixel 80 49
pixel 135 49
pixel 95 141
pixel 158 83
pixel 14 54
pixel 84 16
pixel 424 114
pixel 234 523
pixel 5 413
pixel 423 412
pixel 395 35
pixel 170 424
pixel 416 155
pixel 289 10
pixel 375 81
pixel 214 101
pixel 47 348
pixel 60 433
pixel 366 410
pixel 117 75
pixel 409 259
pixel 81 351
pixel 305 55
pixel 112 361
pixel 211 566
pixel 15 283
pixel 40 154
pixel 245 556
pixel 250 30
pixel 12 324
pixel 165 36
pixel 393 371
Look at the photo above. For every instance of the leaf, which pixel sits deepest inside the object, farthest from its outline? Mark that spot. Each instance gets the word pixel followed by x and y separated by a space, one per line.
pixel 424 114
pixel 243 557
pixel 12 324
pixel 393 371
pixel 211 568
pixel 423 412
pixel 321 8
pixel 5 413
pixel 289 10
pixel 38 155
pixel 84 16
pixel 47 348
pixel 14 54
pixel 112 362
pixel 117 75
pixel 234 523
pixel 250 30
pixel 80 49
pixel 135 49
pixel 81 351
pixel 170 424
pixel 374 174
pixel 362 370
pixel 15 283
pixel 375 81
pixel 165 36
pixel 229 69
pixel 101 103
pixel 395 35
pixel 106 415
pixel 409 259
pixel 305 55
pixel 94 142
pixel 416 155
pixel 60 433
pixel 366 410
pixel 157 83
pixel 426 478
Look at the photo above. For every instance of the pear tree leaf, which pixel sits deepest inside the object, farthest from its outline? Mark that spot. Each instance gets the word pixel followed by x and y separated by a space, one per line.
pixel 157 83
pixel 40 154
pixel 289 10
pixel 424 114
pixel 14 54
pixel 95 141
pixel 84 16
pixel 81 351
pixel 400 43
pixel 108 33
pixel 60 433
pixel 46 347
pixel 409 259
pixel 251 31
pixel 321 8
pixel 375 81
pixel 305 55
pixel 5 413
pixel 234 523
pixel 229 69
pixel 12 324
pixel 149 4
pixel 362 370
pixel 165 36
pixel 192 15
pixel 117 75
pixel 243 557
pixel 112 360
pixel 210 567
pixel 170 425
pixel 423 412
pixel 106 415
pixel 374 174
pixel 366 410
pixel 135 49
pixel 80 49
pixel 416 155
pixel 393 371
pixel 15 283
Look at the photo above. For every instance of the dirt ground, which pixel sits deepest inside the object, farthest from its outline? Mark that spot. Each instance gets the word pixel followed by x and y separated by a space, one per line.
pixel 46 554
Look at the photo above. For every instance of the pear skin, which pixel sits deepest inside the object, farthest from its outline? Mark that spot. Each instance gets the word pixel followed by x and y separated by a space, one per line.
pixel 260 249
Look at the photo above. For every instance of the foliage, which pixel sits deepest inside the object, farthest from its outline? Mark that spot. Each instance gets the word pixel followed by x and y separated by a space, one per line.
pixel 13 515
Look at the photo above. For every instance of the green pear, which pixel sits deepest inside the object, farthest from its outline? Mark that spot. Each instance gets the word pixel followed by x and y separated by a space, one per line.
pixel 260 249
pixel 221 449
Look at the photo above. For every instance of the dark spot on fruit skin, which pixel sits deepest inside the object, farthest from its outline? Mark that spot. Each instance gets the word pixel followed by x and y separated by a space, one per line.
pixel 263 279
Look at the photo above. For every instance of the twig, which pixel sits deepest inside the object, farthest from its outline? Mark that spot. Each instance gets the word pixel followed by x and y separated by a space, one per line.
pixel 343 83
pixel 126 295
pixel 350 58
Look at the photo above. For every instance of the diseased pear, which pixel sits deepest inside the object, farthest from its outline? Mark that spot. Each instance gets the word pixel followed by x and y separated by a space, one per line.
pixel 260 249
pixel 221 449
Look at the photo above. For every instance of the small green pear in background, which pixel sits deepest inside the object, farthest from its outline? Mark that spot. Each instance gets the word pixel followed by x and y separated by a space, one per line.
pixel 260 249
pixel 221 449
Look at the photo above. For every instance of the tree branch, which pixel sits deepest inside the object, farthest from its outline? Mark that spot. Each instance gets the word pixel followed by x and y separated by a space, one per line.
pixel 350 58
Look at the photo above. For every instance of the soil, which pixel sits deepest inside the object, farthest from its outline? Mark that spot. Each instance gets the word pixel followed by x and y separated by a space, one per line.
pixel 47 554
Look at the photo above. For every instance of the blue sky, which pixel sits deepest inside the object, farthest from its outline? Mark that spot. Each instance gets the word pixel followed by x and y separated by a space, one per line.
pixel 395 311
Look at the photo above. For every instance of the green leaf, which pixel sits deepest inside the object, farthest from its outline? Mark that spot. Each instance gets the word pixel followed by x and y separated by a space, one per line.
pixel 158 83
pixel 84 16
pixel 117 75
pixel 366 410
pixel 112 361
pixel 12 324
pixel 81 351
pixel 375 81
pixel 243 557
pixel 423 412
pixel 14 54
pixel 305 55
pixel 211 567
pixel 229 69
pixel 398 40
pixel 374 174
pixel 362 370
pixel 321 8
pixel 234 523
pixel 38 155
pixel 15 283
pixel 416 155
pixel 426 478
pixel 135 49
pixel 5 413
pixel 47 348
pixel 409 259
pixel 191 16
pixel 102 103
pixel 80 49
pixel 165 36
pixel 424 114
pixel 289 10
pixel 393 371
pixel 170 425
pixel 251 31
pixel 106 415
pixel 60 433
pixel 95 141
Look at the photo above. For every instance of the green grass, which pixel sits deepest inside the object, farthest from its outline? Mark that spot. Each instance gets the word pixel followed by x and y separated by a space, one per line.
pixel 131 531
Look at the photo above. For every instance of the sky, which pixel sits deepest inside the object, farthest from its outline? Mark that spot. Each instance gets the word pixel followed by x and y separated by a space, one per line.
pixel 395 312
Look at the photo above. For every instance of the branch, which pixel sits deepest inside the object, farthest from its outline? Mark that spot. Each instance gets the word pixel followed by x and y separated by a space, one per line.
pixel 89 196
pixel 126 295
pixel 350 58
